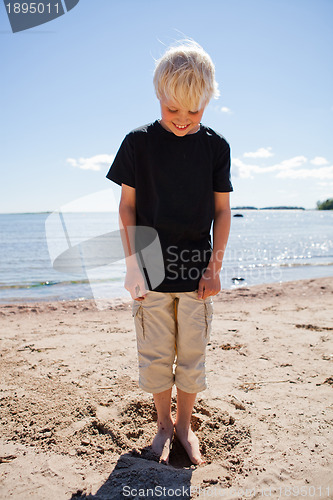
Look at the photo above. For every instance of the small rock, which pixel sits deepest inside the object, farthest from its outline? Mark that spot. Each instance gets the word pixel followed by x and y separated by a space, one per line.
pixel 237 403
pixel 81 451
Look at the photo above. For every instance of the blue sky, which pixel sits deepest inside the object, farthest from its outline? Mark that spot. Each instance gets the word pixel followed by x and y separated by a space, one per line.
pixel 72 88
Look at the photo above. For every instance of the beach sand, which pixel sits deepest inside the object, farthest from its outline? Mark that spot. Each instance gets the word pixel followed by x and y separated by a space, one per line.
pixel 74 423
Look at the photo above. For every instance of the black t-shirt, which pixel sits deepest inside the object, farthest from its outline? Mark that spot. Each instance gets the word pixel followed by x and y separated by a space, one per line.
pixel 175 179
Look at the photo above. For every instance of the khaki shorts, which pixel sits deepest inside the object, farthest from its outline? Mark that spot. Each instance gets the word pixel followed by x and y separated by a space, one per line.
pixel 172 331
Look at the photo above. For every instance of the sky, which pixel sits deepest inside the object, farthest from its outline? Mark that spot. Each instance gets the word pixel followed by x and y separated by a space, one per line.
pixel 71 89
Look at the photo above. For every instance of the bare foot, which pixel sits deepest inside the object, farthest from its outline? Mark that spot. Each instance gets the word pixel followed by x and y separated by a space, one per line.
pixel 191 444
pixel 162 442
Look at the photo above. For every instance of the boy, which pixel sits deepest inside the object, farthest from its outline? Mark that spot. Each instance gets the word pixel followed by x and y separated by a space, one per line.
pixel 175 178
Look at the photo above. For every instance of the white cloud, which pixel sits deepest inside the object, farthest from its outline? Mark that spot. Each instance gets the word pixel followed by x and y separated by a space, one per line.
pixel 260 153
pixel 311 173
pixel 294 162
pixel 241 169
pixel 224 109
pixel 245 170
pixel 319 161
pixel 286 169
pixel 97 162
pixel 325 184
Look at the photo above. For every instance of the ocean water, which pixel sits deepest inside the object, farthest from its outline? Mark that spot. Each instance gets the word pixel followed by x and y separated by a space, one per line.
pixel 265 246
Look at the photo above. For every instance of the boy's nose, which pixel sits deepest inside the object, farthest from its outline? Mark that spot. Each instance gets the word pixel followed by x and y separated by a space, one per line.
pixel 182 115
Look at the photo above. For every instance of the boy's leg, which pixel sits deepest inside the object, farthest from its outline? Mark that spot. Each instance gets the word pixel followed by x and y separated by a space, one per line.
pixel 194 318
pixel 162 440
pixel 155 330
pixel 185 403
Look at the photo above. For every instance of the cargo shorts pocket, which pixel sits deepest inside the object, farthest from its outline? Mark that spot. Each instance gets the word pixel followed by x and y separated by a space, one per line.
pixel 137 313
pixel 208 317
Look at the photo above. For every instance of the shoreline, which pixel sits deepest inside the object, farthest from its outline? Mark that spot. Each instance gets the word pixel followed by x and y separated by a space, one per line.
pixel 124 299
pixel 74 421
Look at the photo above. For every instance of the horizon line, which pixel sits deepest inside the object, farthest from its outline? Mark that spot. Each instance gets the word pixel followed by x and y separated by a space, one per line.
pixel 282 207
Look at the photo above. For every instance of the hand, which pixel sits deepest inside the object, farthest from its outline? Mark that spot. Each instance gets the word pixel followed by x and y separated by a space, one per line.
pixel 209 284
pixel 135 283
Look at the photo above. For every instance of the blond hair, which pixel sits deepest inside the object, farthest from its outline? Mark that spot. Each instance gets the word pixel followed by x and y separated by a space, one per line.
pixel 186 74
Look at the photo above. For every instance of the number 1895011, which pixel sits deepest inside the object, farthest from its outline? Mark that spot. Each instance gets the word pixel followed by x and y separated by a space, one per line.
pixel 32 8
pixel 304 491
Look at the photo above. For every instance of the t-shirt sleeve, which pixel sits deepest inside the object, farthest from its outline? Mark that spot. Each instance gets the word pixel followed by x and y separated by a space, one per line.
pixel 122 170
pixel 221 174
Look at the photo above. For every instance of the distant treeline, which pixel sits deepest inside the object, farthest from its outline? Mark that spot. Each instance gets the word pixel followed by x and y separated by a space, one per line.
pixel 268 208
pixel 325 205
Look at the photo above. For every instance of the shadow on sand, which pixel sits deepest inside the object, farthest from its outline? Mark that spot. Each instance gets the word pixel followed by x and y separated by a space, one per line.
pixel 137 471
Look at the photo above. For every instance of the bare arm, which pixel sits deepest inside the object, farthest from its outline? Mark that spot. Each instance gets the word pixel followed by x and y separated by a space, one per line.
pixel 134 281
pixel 210 281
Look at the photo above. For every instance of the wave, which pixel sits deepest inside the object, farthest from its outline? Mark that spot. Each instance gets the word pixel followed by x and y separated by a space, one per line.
pixel 119 279
pixel 281 264
pixel 41 284
pixel 305 264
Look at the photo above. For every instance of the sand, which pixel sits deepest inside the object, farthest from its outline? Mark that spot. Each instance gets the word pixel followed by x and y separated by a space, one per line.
pixel 74 423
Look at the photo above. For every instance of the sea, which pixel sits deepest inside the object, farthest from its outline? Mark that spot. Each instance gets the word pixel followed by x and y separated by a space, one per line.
pixel 41 253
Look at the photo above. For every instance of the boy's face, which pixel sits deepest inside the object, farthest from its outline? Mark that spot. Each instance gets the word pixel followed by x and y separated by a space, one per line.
pixel 178 120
